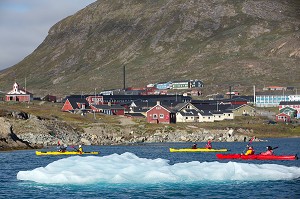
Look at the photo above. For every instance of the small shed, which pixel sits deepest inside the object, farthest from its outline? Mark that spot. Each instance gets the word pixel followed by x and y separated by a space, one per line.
pixel 282 117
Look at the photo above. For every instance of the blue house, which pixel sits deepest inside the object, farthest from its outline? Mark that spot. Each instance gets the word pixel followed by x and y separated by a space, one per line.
pixel 196 84
pixel 163 85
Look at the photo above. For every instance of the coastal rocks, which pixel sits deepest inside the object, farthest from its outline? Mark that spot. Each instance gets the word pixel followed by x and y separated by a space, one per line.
pixel 9 140
pixel 29 131
pixel 107 136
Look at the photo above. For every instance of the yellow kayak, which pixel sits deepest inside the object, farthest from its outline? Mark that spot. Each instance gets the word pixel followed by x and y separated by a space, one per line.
pixel 197 150
pixel 65 153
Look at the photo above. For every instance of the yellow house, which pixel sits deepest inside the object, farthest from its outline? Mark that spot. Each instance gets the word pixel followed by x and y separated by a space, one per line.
pixel 244 110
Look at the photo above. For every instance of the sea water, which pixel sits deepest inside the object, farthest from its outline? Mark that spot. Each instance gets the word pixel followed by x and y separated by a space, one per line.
pixel 151 171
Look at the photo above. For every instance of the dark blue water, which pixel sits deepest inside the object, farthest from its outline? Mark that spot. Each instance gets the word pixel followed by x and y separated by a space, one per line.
pixel 248 187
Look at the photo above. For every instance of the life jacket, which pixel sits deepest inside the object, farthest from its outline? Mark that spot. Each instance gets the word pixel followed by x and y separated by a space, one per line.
pixel 268 152
pixel 208 145
pixel 250 152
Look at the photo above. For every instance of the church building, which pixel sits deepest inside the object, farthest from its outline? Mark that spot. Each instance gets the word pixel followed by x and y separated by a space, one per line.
pixel 18 95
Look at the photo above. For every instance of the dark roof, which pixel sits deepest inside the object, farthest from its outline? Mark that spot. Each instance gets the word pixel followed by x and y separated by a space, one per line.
pixel 144 103
pixel 237 106
pixel 289 103
pixel 189 112
pixel 217 112
pixel 242 98
pixel 276 92
pixel 206 113
pixel 74 101
pixel 135 114
pixel 140 109
pixel 165 107
pixel 215 107
pixel 150 104
pixel 124 98
pixel 105 106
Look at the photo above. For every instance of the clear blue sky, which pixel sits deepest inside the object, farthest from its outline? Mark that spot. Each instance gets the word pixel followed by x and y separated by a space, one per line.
pixel 24 24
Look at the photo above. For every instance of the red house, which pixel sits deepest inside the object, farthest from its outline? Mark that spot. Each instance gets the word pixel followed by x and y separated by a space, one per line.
pixel 282 117
pixel 110 109
pixel 96 100
pixel 160 114
pixel 49 98
pixel 74 104
pixel 18 95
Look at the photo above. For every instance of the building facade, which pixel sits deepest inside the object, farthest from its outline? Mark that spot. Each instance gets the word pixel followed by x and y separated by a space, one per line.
pixel 18 95
pixel 274 100
pixel 160 114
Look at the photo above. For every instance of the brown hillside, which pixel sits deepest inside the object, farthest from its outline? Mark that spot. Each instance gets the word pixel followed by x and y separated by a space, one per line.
pixel 241 43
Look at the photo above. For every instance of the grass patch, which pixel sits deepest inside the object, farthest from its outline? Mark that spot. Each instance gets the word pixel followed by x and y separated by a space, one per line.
pixel 254 125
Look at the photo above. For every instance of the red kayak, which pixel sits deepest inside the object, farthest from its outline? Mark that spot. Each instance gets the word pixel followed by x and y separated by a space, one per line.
pixel 257 157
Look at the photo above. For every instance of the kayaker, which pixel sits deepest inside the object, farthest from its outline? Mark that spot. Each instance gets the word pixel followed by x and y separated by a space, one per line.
pixel 208 145
pixel 269 151
pixel 194 146
pixel 80 149
pixel 63 148
pixel 250 151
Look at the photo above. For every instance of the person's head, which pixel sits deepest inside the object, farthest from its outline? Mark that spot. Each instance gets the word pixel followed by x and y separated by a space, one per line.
pixel 250 147
pixel 269 148
pixel 79 146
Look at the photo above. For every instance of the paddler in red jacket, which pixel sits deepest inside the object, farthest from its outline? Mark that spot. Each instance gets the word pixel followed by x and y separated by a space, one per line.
pixel 208 145
pixel 268 152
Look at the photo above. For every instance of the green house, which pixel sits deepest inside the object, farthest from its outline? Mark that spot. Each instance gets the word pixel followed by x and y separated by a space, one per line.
pixel 289 111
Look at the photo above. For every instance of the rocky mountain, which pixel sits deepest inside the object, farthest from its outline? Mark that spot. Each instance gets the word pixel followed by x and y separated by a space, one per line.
pixel 222 42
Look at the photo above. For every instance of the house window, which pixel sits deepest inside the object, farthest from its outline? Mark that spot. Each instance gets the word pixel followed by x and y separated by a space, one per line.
pixel 161 115
pixel 155 116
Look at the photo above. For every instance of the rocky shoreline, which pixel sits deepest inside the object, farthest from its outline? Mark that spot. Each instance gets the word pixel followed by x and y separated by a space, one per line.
pixel 23 131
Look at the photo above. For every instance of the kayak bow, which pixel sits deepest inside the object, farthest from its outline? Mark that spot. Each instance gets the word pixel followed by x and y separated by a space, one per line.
pixel 65 153
pixel 197 150
pixel 257 157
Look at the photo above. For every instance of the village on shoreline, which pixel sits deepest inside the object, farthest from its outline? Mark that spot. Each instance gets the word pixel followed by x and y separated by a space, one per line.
pixel 140 118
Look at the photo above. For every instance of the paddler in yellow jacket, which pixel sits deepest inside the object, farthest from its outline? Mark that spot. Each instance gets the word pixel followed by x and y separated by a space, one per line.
pixel 250 151
pixel 80 149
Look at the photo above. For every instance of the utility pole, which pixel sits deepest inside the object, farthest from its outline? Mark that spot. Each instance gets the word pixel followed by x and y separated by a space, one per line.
pixel 95 105
pixel 254 97
pixel 124 77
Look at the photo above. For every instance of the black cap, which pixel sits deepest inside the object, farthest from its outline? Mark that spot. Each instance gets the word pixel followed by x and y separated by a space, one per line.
pixel 269 148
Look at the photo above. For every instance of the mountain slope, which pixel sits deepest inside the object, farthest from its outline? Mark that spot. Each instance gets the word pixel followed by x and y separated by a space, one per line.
pixel 220 42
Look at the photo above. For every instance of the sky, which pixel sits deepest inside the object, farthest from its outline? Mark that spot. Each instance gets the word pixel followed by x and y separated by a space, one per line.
pixel 24 24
